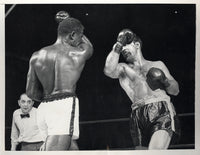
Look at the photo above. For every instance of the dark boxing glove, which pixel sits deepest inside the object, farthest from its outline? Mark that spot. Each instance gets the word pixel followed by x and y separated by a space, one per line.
pixel 124 37
pixel 61 15
pixel 156 79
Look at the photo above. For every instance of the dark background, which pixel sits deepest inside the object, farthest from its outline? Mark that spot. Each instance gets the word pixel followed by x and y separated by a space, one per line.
pixel 167 32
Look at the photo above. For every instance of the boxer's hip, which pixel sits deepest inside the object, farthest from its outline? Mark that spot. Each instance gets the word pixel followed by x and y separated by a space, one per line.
pixel 58 96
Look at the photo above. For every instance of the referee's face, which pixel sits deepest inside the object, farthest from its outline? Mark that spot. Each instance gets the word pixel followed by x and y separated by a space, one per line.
pixel 25 104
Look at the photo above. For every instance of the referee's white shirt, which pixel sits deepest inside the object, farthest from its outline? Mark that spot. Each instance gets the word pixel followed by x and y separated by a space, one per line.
pixel 25 129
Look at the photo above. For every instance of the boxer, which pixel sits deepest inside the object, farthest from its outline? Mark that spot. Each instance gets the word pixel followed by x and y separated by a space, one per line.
pixel 52 77
pixel 147 84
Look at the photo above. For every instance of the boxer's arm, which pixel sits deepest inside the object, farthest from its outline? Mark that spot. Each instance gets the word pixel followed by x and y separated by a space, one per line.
pixel 131 74
pixel 84 50
pixel 112 67
pixel 173 88
pixel 33 85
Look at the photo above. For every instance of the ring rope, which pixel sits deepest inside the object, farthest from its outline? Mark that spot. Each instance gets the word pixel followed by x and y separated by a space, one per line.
pixel 123 119
pixel 10 9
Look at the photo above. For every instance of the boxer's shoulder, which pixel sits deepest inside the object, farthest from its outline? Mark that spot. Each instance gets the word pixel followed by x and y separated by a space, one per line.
pixel 156 64
pixel 41 55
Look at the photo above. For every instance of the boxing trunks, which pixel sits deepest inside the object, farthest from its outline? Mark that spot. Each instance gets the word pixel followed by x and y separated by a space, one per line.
pixel 150 115
pixel 59 115
pixel 34 146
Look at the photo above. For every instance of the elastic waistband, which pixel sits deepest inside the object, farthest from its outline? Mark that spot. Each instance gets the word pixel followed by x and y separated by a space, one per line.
pixel 149 100
pixel 24 143
pixel 59 96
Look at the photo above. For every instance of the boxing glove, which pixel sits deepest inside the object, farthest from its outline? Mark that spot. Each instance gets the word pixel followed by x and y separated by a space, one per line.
pixel 124 37
pixel 61 15
pixel 156 79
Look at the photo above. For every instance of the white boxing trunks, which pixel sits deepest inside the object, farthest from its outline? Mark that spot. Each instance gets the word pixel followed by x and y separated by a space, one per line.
pixel 60 117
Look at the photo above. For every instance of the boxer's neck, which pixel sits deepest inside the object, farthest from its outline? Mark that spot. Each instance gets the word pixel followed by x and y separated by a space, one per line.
pixel 60 40
pixel 139 59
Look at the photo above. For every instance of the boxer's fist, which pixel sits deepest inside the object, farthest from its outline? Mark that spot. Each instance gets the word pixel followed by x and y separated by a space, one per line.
pixel 61 15
pixel 156 79
pixel 125 37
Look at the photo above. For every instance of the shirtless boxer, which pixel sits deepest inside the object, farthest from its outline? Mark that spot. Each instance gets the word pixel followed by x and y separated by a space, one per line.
pixel 146 83
pixel 53 73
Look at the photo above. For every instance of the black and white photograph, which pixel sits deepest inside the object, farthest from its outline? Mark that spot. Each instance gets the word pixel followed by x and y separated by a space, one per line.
pixel 100 77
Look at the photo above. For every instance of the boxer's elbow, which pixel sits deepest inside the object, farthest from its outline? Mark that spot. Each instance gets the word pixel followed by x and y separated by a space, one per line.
pixel 109 72
pixel 177 91
pixel 29 94
pixel 173 89
pixel 90 51
pixel 87 50
pixel 106 71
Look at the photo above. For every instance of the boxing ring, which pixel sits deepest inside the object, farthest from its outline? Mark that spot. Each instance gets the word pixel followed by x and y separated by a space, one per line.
pixel 120 120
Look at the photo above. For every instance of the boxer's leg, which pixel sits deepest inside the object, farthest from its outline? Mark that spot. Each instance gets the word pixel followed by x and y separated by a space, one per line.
pixel 160 140
pixel 58 142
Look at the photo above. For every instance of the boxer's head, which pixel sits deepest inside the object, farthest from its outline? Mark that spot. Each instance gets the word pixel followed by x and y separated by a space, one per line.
pixel 130 51
pixel 71 30
pixel 25 103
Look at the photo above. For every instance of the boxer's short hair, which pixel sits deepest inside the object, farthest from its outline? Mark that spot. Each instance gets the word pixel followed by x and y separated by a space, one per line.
pixel 68 25
pixel 137 39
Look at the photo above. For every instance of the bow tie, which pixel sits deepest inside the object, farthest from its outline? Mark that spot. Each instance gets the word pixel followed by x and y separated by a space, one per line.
pixel 24 115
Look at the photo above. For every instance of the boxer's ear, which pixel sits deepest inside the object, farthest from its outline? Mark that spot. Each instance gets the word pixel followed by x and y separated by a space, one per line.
pixel 137 44
pixel 72 35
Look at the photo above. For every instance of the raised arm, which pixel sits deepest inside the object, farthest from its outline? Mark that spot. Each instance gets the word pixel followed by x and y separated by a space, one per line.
pixel 33 86
pixel 112 66
pixel 84 49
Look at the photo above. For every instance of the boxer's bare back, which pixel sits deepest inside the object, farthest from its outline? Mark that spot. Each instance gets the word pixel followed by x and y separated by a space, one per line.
pixel 56 69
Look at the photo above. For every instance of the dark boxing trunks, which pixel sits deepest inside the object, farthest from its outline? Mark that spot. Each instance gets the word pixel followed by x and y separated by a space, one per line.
pixel 28 146
pixel 146 120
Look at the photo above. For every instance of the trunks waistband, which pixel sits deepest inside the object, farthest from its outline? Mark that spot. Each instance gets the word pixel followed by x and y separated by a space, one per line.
pixel 59 96
pixel 31 142
pixel 149 100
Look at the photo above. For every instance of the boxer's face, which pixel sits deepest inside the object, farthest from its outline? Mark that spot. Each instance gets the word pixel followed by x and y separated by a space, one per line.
pixel 25 104
pixel 129 52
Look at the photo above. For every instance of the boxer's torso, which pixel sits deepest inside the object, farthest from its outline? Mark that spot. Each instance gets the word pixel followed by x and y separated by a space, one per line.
pixel 57 70
pixel 138 88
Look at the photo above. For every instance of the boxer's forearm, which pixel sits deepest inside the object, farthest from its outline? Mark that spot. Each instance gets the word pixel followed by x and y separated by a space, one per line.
pixel 131 74
pixel 84 49
pixel 111 63
pixel 33 90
